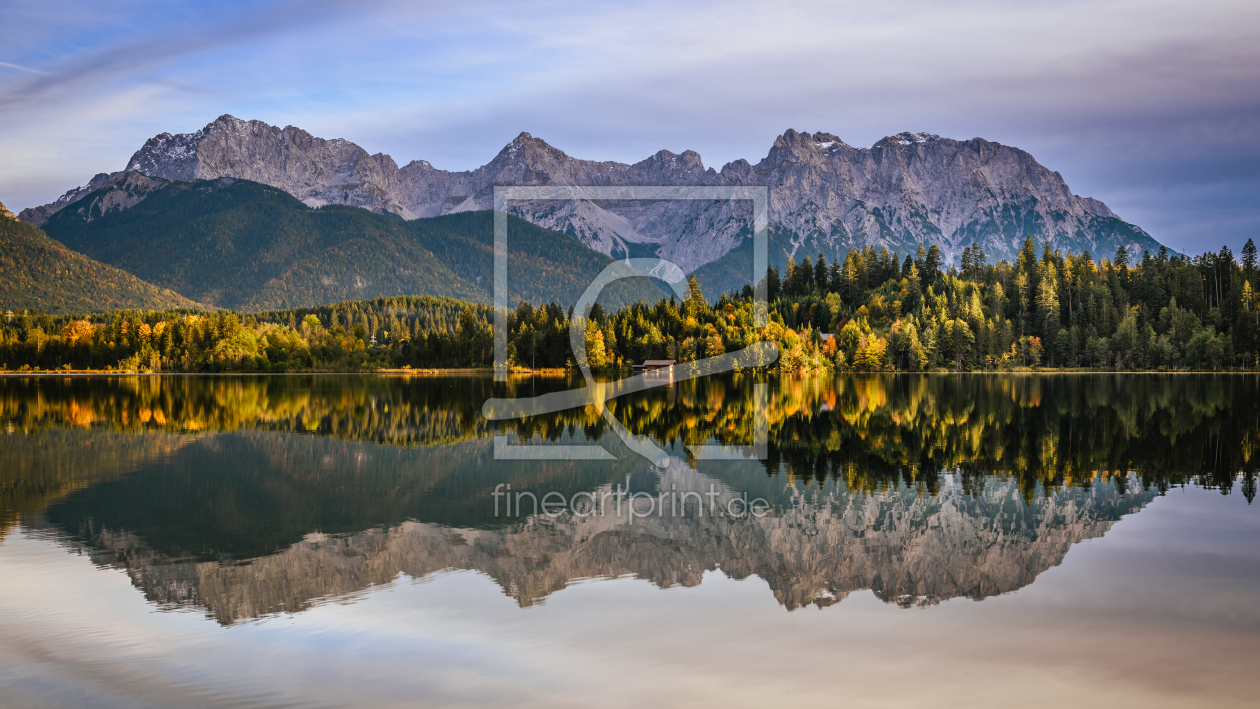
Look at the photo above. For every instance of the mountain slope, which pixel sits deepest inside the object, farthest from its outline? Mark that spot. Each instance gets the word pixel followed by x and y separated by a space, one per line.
pixel 244 245
pixel 543 265
pixel 825 195
pixel 247 246
pixel 39 273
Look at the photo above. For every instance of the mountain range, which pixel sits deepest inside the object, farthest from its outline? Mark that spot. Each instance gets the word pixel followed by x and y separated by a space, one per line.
pixel 825 196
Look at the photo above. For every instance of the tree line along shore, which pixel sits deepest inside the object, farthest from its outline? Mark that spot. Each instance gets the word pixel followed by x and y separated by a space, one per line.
pixel 868 312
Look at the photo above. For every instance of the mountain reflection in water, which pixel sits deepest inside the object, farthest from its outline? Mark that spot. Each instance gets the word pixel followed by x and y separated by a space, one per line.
pixel 252 496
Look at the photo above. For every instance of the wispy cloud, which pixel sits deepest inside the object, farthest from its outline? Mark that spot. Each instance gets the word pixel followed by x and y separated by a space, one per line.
pixel 179 86
pixel 22 68
pixel 132 56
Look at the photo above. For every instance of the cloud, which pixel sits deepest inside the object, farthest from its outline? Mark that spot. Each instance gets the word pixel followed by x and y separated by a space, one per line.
pixel 22 68
pixel 1124 99
pixel 173 84
pixel 164 46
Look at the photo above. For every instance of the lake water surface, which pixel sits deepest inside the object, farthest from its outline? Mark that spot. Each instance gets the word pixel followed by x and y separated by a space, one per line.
pixel 364 540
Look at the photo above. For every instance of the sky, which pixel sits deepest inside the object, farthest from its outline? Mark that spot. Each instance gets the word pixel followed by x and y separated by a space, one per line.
pixel 1151 106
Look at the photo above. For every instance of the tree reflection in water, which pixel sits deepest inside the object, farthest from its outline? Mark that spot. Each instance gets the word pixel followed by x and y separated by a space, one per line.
pixel 255 495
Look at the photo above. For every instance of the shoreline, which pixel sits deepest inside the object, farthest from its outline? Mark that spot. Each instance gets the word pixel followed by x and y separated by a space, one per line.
pixel 561 373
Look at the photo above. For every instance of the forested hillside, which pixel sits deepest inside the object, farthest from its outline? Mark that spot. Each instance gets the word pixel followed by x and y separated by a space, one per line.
pixel 544 266
pixel 246 246
pixel 39 273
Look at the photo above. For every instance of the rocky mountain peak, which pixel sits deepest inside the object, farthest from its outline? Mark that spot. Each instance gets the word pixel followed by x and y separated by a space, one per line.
pixel 173 157
pixel 527 160
pixel 526 144
pixel 791 138
pixel 690 157
pixel 828 142
pixel 736 171
pixel 905 138
pixel 793 149
pixel 666 167
pixel 5 213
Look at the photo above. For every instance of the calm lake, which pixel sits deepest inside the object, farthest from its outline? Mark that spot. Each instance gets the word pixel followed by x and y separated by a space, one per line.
pixel 379 540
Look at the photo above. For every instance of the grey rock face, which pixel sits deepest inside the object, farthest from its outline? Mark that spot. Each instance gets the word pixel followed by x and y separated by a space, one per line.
pixel 124 191
pixel 173 157
pixel 825 195
pixel 913 188
pixel 39 215
pixel 314 170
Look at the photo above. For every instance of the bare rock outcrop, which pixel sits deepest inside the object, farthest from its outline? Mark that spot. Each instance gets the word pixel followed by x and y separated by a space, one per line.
pixel 39 215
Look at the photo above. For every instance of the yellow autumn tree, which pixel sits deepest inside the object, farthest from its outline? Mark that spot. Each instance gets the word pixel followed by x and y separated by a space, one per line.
pixel 596 353
pixel 77 331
